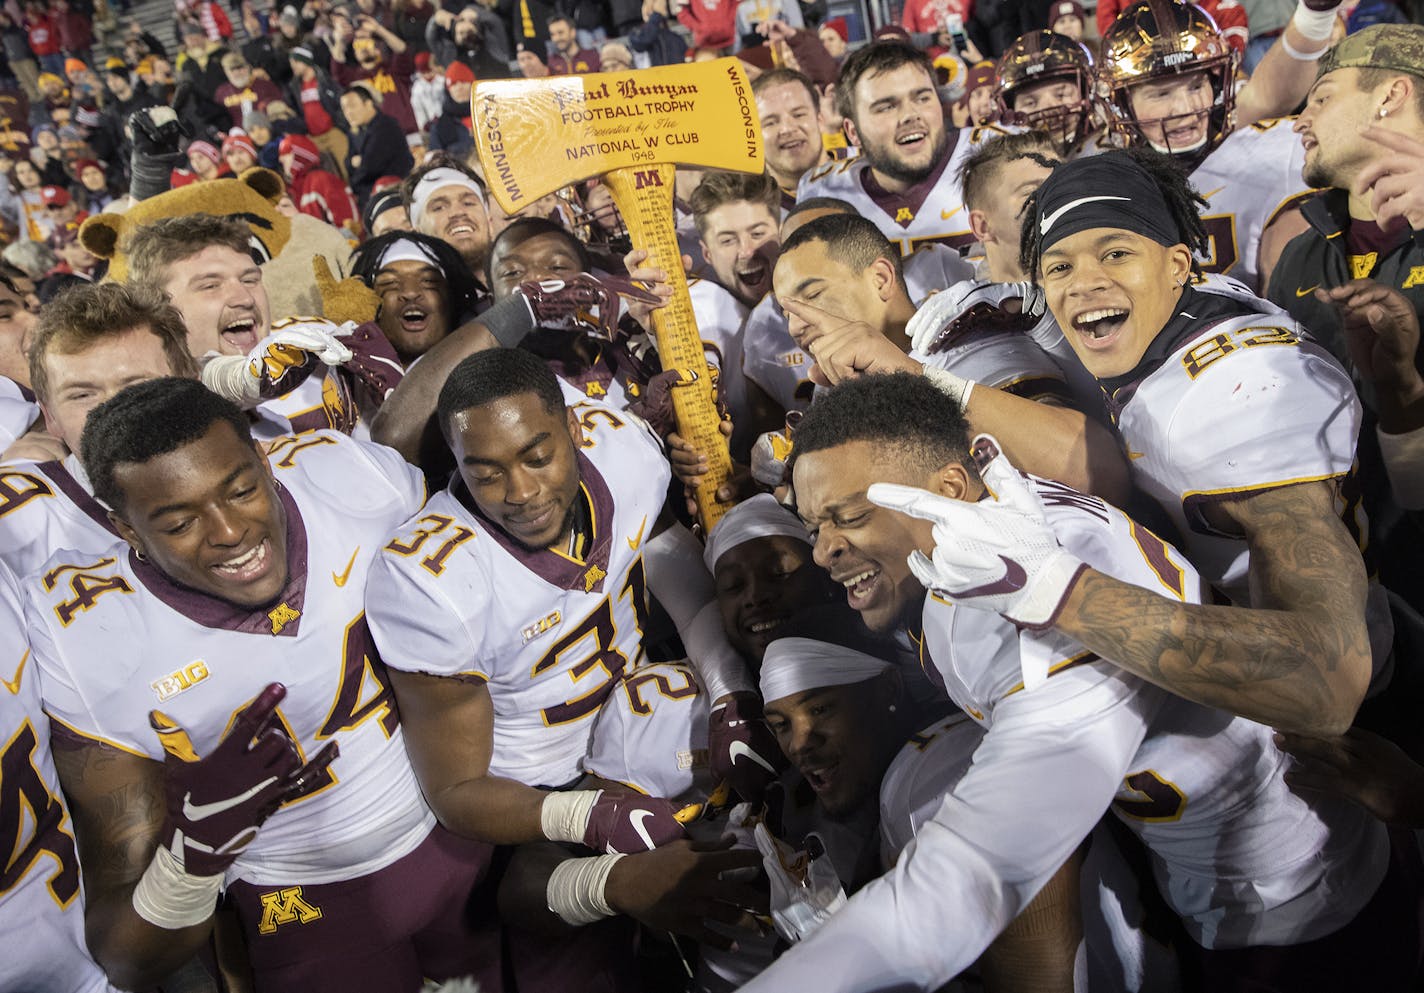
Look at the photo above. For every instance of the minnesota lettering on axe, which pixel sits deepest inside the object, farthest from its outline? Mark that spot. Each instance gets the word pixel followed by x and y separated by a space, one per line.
pixel 632 129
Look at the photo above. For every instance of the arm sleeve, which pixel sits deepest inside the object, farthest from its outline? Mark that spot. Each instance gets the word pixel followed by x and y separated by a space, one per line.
pixel 1043 776
pixel 1404 462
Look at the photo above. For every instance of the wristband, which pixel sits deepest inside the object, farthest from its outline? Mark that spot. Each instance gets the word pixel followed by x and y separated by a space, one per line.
pixel 509 320
pixel 170 898
pixel 956 386
pixel 564 816
pixel 576 889
pixel 1317 25
pixel 1300 56
pixel 227 376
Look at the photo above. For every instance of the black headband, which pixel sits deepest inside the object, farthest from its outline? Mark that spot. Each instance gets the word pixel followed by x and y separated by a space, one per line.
pixel 1103 191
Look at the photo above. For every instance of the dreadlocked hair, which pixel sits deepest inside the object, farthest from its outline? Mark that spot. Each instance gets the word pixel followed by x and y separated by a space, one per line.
pixel 464 289
pixel 1184 203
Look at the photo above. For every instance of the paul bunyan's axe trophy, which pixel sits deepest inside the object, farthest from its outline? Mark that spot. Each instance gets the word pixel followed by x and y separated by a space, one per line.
pixel 632 129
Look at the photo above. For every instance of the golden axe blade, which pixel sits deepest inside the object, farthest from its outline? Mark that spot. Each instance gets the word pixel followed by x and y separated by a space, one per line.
pixel 535 136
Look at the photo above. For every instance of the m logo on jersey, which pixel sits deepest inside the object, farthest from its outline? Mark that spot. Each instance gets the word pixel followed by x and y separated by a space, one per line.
pixel 282 615
pixel 542 626
pixel 1415 278
pixel 592 578
pixel 1362 265
pixel 904 215
pixel 179 680
pixel 285 906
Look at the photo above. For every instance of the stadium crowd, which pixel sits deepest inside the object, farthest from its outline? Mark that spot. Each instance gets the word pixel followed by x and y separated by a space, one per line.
pixel 369 620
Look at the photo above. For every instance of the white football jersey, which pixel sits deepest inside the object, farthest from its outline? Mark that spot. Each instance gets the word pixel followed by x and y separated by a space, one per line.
pixel 720 317
pixel 45 506
pixel 1241 858
pixel 1252 176
pixel 18 411
pixel 452 595
pixel 932 211
pixel 1194 428
pixel 41 893
pixel 921 775
pixel 772 359
pixel 320 402
pixel 651 734
pixel 202 660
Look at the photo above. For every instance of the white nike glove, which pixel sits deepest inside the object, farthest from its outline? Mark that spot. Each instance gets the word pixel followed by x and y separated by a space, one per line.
pixel 996 554
pixel 280 362
pixel 805 891
pixel 936 311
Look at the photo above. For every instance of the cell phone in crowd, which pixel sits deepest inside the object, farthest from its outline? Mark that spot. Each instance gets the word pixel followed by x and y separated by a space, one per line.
pixel 954 27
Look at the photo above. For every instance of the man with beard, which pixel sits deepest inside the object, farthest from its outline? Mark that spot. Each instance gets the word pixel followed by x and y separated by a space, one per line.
pixel 906 178
pixel 790 109
pixel 447 201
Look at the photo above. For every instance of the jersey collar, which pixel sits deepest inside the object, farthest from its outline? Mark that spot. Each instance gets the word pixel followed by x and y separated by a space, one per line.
pixel 282 619
pixel 914 197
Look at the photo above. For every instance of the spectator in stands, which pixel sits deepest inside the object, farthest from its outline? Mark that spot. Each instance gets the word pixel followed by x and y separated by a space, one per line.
pixel 200 66
pixel 95 193
pixel 260 50
pixel 566 57
pixel 314 190
pixel 378 146
pixel 451 132
pixel 135 34
pixel 59 206
pixel 661 44
pixel 835 35
pixel 531 63
pixel 72 20
pixel 207 15
pixel 475 37
pixel 16 45
pixel 205 163
pixel 409 19
pixel 427 90
pixel 44 38
pixel 319 99
pixel 615 57
pixel 752 14
pixel 1066 17
pixel 243 91
pixel 45 153
pixel 374 53
pixel 239 151
pixel 110 140
pixel 528 21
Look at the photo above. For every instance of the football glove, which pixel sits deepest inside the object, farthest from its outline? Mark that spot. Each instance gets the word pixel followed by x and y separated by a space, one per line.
pixel 623 823
pixel 995 554
pixel 279 363
pixel 741 748
pixel 582 302
pixel 217 803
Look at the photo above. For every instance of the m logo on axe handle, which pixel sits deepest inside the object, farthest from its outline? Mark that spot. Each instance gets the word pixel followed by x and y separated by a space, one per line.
pixel 632 129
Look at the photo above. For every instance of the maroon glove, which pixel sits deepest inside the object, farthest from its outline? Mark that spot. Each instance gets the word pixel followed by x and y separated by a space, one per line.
pixel 586 303
pixel 743 751
pixel 623 823
pixel 654 405
pixel 217 803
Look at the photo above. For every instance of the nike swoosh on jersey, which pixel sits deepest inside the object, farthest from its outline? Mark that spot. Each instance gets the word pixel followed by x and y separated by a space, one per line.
pixel 637 539
pixel 1050 219
pixel 1012 581
pixel 340 578
pixel 1134 456
pixel 636 818
pixel 1208 196
pixel 945 215
pixel 202 811
pixel 740 749
pixel 13 685
pixel 1308 289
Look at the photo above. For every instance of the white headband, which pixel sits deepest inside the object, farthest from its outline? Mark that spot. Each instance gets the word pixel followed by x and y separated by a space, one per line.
pixel 795 665
pixel 434 180
pixel 405 250
pixel 758 517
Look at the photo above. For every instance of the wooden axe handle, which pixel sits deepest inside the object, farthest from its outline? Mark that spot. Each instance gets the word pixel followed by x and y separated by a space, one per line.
pixel 644 196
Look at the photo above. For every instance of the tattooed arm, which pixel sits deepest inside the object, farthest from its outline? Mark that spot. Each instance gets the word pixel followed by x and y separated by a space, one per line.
pixel 117 802
pixel 1298 659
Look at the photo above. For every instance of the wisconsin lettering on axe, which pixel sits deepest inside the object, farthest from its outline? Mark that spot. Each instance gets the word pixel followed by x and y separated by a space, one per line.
pixel 633 129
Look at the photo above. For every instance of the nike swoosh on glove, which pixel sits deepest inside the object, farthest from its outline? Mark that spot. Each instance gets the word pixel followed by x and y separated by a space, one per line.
pixel 998 553
pixel 217 803
pixel 624 823
pixel 741 748
pixel 582 302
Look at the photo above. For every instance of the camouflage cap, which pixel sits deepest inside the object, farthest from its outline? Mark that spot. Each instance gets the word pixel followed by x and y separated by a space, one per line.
pixel 1399 47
